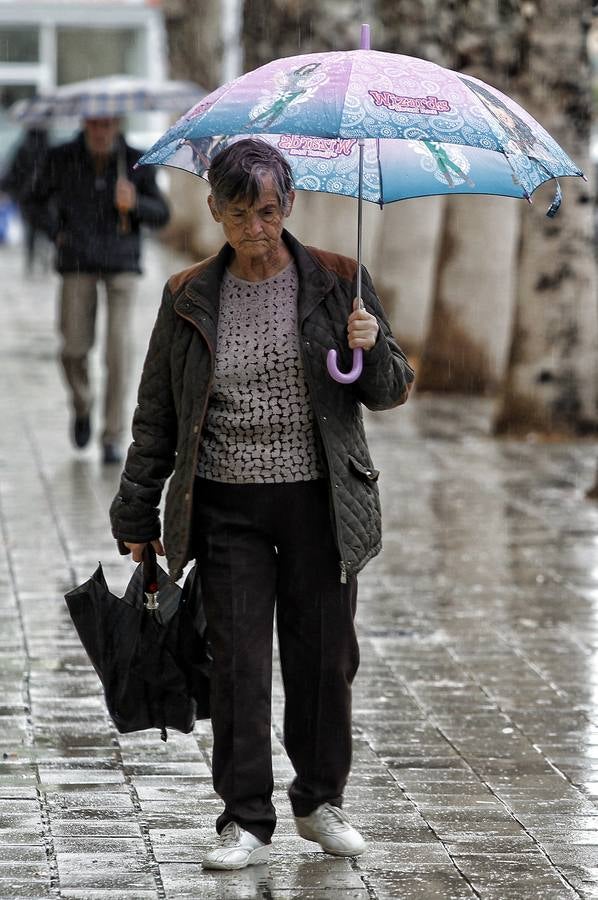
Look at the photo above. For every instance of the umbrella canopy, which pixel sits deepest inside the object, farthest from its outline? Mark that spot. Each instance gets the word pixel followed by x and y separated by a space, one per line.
pixel 148 647
pixel 426 130
pixel 115 95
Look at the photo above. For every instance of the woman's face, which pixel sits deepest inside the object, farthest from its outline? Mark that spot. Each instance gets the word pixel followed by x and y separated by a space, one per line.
pixel 253 231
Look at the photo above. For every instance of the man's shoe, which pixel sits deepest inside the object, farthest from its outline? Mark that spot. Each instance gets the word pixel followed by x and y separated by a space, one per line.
pixel 238 848
pixel 112 454
pixel 81 431
pixel 330 828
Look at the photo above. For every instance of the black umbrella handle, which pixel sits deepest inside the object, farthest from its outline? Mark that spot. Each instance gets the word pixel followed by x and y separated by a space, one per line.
pixel 150 577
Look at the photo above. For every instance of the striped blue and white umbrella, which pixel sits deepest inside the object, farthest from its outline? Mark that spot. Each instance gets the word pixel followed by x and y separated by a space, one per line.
pixel 114 95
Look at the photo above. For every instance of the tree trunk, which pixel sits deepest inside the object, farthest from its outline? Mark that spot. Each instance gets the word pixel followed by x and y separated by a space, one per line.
pixel 467 345
pixel 411 230
pixel 275 28
pixel 423 29
pixel 195 53
pixel 406 263
pixel 551 384
pixel 194 40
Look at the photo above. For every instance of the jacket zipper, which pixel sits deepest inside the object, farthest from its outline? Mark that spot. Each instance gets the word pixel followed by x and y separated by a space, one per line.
pixel 202 420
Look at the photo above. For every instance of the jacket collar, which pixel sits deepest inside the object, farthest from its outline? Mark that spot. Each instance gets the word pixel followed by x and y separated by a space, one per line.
pixel 314 280
pixel 203 289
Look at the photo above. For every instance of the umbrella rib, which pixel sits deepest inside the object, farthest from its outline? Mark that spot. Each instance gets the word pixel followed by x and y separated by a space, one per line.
pixel 558 194
pixel 381 200
pixel 380 180
pixel 492 119
pixel 346 87
pixel 526 194
pixel 557 199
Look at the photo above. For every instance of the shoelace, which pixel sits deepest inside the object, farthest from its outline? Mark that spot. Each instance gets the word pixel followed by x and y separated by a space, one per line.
pixel 230 834
pixel 334 818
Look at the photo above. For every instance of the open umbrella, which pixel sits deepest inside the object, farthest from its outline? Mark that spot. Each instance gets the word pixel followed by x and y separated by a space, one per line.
pixel 114 95
pixel 376 126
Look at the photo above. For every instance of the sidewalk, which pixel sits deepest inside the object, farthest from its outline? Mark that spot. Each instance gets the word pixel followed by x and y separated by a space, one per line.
pixel 476 705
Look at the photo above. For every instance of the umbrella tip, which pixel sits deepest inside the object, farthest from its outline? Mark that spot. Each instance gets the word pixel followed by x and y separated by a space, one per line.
pixel 365 37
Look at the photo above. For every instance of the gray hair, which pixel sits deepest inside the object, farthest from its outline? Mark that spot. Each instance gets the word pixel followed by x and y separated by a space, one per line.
pixel 239 171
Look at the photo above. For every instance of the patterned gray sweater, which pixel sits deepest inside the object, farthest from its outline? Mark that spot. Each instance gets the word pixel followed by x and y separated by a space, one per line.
pixel 258 425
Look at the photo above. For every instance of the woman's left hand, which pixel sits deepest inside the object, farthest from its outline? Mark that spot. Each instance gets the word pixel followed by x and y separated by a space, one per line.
pixel 362 328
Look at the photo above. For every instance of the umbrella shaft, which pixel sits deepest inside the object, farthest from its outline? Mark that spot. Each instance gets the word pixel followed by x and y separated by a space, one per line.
pixel 364 45
pixel 360 221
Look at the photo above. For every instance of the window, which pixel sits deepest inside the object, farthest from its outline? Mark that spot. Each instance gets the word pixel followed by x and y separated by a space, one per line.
pixel 93 52
pixel 19 44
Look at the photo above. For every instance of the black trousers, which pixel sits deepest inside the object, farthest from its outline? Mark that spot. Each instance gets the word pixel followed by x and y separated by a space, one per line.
pixel 262 547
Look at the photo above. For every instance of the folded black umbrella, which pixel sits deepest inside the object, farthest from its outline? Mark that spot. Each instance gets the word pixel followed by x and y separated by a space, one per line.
pixel 148 647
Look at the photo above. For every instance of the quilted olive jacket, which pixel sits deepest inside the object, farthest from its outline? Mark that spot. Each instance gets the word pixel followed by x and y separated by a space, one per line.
pixel 175 390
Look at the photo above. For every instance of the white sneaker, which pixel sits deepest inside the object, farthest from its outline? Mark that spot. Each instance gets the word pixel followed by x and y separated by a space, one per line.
pixel 330 828
pixel 238 848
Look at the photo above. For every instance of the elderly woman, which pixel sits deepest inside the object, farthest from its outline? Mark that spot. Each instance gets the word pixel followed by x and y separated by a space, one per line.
pixel 273 492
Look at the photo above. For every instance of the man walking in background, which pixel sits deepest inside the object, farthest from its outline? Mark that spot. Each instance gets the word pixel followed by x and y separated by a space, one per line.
pixel 95 205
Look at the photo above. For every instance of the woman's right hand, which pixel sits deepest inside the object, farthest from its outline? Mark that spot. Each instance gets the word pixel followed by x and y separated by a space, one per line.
pixel 137 549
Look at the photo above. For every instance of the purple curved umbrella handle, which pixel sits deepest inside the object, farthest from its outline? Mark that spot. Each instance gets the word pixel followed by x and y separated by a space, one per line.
pixel 345 377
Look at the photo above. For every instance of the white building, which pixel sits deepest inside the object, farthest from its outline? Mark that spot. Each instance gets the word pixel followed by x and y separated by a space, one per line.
pixel 45 43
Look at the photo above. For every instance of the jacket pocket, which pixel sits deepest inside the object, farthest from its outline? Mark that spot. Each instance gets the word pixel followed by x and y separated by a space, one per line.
pixel 366 473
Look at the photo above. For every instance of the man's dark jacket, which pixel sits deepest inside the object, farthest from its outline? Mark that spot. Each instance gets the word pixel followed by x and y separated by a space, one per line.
pixel 80 214
pixel 175 390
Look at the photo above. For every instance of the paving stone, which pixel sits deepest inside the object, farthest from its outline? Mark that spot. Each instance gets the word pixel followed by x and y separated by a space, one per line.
pixel 77 777
pixel 309 893
pixel 29 889
pixel 313 870
pixel 187 813
pixel 82 828
pixel 125 871
pixel 441 885
pixel 182 844
pixel 19 792
pixel 513 875
pixel 23 834
pixel 583 879
pixel 406 857
pixel 97 844
pixel 93 787
pixel 22 854
pixel 193 882
pixel 107 894
pixel 19 869
pixel 74 804
pixel 402 829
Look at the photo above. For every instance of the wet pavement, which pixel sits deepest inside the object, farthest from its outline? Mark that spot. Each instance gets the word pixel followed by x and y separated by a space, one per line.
pixel 476 704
